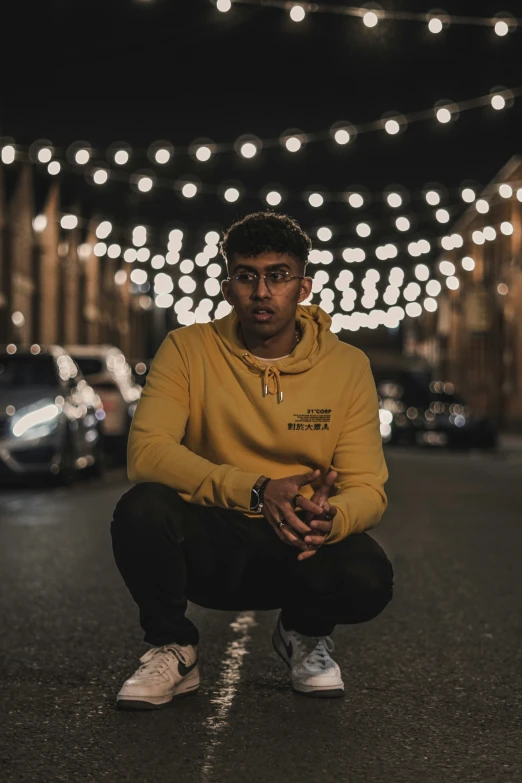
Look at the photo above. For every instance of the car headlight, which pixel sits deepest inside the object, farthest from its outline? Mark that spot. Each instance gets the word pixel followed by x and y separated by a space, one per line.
pixel 36 421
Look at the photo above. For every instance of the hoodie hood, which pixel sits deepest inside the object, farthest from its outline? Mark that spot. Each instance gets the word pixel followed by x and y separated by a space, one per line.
pixel 317 341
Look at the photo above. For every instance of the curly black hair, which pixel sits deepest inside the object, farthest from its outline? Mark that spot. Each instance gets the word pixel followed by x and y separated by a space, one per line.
pixel 266 232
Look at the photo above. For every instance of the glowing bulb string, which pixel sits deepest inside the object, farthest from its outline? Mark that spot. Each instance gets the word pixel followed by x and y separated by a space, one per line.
pixel 341 133
pixel 402 16
pixel 365 199
pixel 405 252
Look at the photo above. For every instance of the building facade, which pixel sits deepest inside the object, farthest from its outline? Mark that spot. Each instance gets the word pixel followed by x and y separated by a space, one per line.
pixel 474 339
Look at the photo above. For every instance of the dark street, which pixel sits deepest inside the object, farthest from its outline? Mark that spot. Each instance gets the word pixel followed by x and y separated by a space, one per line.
pixel 431 685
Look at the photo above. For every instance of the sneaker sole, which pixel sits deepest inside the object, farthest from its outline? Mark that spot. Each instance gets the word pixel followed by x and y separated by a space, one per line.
pixel 186 687
pixel 334 692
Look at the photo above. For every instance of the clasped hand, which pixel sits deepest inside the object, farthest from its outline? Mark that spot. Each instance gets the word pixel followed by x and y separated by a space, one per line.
pixel 311 534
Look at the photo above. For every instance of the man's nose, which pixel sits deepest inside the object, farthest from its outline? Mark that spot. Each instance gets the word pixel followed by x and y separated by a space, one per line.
pixel 260 287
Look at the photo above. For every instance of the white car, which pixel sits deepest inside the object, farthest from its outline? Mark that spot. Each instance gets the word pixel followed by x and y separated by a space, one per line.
pixel 108 372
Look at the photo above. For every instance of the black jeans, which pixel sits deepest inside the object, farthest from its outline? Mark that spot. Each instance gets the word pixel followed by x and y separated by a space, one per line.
pixel 170 552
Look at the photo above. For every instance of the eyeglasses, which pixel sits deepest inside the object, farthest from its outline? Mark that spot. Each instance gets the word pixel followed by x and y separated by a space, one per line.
pixel 274 280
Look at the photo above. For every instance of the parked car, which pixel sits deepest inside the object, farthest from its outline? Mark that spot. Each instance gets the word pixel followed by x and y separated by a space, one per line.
pixel 108 372
pixel 50 418
pixel 417 410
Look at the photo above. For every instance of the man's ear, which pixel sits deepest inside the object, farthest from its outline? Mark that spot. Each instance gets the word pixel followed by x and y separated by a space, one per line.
pixel 224 289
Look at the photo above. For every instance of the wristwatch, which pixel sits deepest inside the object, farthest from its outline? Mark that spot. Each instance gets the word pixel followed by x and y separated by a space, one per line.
pixel 257 494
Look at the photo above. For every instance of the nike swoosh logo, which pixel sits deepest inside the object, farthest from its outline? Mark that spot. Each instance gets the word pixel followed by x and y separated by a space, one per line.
pixel 184 670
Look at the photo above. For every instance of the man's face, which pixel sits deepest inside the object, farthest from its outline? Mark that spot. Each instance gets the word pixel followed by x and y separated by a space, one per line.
pixel 282 300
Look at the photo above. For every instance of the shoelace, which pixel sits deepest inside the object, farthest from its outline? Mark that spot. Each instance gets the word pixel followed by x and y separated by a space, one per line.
pixel 157 659
pixel 318 656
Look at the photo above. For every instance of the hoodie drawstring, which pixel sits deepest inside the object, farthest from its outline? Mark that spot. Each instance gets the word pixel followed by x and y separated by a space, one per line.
pixel 270 373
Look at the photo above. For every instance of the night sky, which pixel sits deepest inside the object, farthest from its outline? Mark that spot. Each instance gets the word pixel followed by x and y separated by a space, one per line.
pixel 143 71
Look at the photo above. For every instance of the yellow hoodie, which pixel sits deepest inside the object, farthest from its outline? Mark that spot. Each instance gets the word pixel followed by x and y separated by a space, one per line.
pixel 212 419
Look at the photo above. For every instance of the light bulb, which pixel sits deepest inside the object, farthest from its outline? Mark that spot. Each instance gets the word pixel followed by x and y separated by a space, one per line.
pixel 435 26
pixel 392 127
pixel 394 200
pixel 189 190
pixel 273 198
pixel 297 13
pixel 370 19
pixel 342 136
pixel 121 157
pixel 293 144
pixel 443 115
pixel 315 199
pixel 501 28
pixel 355 200
pixel 248 150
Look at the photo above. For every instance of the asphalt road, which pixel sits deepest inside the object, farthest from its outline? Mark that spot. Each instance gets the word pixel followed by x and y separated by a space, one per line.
pixel 433 686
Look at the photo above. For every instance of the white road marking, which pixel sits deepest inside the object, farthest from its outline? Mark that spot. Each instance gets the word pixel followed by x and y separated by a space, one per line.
pixel 227 687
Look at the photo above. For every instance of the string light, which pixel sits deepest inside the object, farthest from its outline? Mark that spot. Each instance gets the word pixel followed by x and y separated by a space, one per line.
pixel 370 19
pixel 432 197
pixel 162 156
pixel 394 200
pixel 315 200
pixel 468 263
pixel 392 127
pixel 355 200
pixel 482 206
pixel 342 136
pixel 69 222
pixel 293 144
pixel 82 157
pixel 203 153
pixel 442 215
pixel 189 189
pixel 44 155
pixel 443 115
pixel 501 28
pixel 145 184
pixel 231 194
pixel 54 168
pixel 100 176
pixel 468 195
pixel 273 198
pixel 297 13
pixel 502 23
pixel 363 230
pixel 39 223
pixel 435 25
pixel 121 157
pixel 104 229
pixel 8 154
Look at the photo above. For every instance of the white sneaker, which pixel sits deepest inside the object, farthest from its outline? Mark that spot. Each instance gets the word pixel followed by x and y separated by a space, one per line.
pixel 314 673
pixel 166 672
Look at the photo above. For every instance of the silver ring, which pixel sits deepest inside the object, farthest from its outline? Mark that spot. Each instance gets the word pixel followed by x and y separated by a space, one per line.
pixel 281 523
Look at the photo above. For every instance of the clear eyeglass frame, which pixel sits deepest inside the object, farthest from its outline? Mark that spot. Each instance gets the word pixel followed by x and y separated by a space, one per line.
pixel 252 278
